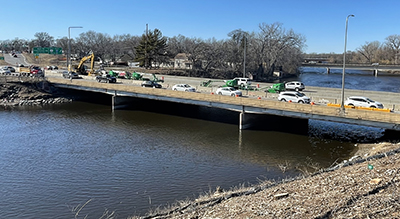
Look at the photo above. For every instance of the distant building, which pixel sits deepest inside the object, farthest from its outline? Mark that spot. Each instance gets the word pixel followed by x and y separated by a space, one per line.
pixel 182 62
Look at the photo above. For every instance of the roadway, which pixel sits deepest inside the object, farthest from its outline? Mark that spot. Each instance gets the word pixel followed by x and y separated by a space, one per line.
pixel 318 95
pixel 15 61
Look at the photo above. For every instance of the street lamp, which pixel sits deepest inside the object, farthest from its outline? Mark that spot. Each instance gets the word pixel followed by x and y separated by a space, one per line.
pixel 244 57
pixel 69 46
pixel 344 62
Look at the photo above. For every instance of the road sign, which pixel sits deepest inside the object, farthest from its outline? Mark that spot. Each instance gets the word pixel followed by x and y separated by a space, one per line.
pixel 1 57
pixel 47 50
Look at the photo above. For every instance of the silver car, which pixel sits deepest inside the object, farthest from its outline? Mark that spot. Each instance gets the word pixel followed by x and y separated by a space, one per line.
pixel 293 96
pixel 362 102
pixel 294 85
pixel 183 87
pixel 228 91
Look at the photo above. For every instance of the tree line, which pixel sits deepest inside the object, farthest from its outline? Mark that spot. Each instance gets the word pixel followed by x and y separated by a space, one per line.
pixel 258 53
pixel 385 53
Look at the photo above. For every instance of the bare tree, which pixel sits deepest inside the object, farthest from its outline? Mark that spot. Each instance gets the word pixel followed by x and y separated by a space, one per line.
pixel 100 44
pixel 370 50
pixel 63 43
pixel 393 42
pixel 272 44
pixel 242 40
pixel 43 39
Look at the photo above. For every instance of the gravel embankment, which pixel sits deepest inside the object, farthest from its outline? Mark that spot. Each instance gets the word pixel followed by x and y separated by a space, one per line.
pixel 365 187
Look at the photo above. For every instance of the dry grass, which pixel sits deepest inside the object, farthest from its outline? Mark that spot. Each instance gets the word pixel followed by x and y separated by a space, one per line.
pixel 367 187
pixel 45 59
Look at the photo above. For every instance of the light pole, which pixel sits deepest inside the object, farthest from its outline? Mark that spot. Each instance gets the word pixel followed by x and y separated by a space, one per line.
pixel 244 57
pixel 69 46
pixel 344 62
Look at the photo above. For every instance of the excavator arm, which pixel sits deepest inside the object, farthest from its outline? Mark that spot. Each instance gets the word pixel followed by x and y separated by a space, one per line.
pixel 80 69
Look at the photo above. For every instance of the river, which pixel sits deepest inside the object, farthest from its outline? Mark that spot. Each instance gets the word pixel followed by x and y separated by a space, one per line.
pixel 54 159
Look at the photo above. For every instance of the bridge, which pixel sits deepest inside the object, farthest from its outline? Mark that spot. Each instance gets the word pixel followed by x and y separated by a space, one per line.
pixel 247 107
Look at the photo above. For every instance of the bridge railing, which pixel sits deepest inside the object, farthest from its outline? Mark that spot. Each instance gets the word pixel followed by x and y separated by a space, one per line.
pixel 300 110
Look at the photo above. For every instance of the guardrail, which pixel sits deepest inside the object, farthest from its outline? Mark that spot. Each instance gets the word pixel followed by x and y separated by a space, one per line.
pixel 360 108
pixel 255 105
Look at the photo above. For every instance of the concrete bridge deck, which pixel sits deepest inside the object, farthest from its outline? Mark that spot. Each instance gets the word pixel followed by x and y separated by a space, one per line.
pixel 244 105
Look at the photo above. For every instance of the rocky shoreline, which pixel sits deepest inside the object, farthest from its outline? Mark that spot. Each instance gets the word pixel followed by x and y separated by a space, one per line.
pixel 32 93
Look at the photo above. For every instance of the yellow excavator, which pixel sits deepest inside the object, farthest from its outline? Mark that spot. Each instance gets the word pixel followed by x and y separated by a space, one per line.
pixel 81 69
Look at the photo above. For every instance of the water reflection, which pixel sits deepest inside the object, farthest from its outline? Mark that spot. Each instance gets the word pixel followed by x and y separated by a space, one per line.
pixel 57 156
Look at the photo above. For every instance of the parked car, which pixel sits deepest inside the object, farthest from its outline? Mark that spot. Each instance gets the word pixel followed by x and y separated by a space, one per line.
pixel 70 75
pixel 228 91
pixel 294 85
pixel 183 87
pixel 293 96
pixel 362 102
pixel 152 84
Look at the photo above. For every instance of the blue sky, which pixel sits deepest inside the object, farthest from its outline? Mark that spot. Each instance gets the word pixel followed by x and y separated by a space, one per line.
pixel 321 22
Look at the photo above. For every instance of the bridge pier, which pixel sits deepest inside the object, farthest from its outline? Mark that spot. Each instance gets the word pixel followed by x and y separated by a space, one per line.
pixel 273 123
pixel 119 102
pixel 328 70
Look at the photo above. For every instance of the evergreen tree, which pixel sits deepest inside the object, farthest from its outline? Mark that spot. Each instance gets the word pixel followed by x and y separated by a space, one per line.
pixel 151 50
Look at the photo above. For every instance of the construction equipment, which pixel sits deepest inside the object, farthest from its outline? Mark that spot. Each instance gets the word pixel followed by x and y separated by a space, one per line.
pixel 139 76
pixel 113 73
pixel 276 88
pixel 136 76
pixel 208 83
pixel 230 83
pixel 81 69
pixel 33 71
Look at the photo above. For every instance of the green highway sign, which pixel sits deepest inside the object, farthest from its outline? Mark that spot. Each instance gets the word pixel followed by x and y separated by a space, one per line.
pixel 1 57
pixel 48 50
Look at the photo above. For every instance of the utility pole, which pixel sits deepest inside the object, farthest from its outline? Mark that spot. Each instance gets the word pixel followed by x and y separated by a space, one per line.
pixel 145 47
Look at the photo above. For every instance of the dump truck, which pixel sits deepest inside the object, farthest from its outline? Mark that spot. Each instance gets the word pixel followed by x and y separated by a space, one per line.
pixel 32 71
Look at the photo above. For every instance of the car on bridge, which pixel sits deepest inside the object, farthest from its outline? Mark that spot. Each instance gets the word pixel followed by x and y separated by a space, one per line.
pixel 228 91
pixel 152 84
pixel 294 85
pixel 183 87
pixel 293 96
pixel 359 101
pixel 70 75
pixel 10 68
pixel 5 71
pixel 106 78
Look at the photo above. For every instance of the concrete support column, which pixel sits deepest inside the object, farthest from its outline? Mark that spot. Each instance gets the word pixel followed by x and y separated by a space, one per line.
pixel 328 70
pixel 376 72
pixel 119 102
pixel 241 120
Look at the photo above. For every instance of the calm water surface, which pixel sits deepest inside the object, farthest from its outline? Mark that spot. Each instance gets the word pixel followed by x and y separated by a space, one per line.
pixel 56 158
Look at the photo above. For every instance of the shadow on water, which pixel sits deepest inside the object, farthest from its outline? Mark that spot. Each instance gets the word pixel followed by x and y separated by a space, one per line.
pixel 312 128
